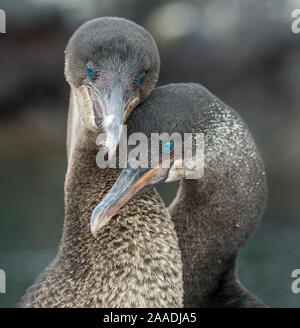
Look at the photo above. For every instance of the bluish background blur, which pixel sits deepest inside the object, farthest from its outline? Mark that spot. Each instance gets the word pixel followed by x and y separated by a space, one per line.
pixel 242 50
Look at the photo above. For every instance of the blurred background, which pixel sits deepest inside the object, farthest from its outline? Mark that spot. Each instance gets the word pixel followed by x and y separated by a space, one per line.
pixel 242 50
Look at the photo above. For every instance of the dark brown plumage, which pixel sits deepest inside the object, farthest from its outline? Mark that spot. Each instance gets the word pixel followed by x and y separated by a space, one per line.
pixel 215 215
pixel 133 262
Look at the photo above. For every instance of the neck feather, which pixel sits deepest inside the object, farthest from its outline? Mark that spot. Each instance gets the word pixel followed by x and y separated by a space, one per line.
pixel 214 217
pixel 134 261
pixel 137 250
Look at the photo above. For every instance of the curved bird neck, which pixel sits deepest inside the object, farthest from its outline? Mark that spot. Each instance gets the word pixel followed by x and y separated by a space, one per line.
pixel 86 184
pixel 216 215
pixel 134 261
pixel 138 249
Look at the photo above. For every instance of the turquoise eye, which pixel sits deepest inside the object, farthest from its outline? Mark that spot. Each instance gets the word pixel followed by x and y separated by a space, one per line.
pixel 168 147
pixel 90 71
pixel 141 80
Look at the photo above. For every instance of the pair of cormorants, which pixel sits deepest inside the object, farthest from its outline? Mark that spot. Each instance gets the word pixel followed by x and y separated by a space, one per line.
pixel 147 255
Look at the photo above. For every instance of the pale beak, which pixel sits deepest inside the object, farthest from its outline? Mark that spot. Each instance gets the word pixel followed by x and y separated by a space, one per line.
pixel 111 111
pixel 129 184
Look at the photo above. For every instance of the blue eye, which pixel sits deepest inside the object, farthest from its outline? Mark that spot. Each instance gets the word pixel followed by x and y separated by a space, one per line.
pixel 141 80
pixel 89 70
pixel 168 147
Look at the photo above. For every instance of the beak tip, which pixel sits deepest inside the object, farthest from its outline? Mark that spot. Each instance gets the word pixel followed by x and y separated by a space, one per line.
pixel 113 136
pixel 94 230
pixel 98 220
pixel 110 153
pixel 94 223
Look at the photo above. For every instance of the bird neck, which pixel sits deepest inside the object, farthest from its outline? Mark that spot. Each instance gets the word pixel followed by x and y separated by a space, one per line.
pixel 127 253
pixel 214 217
pixel 202 240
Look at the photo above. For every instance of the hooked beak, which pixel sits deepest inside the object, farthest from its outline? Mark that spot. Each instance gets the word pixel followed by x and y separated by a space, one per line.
pixel 111 112
pixel 130 183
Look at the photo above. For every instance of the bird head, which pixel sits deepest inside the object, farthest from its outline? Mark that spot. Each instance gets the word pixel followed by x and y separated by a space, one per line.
pixel 112 65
